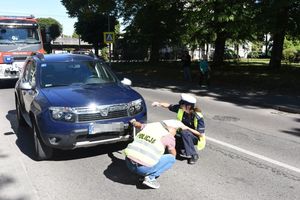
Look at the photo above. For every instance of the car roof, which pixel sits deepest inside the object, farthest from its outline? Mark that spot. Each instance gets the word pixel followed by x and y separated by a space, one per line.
pixel 64 58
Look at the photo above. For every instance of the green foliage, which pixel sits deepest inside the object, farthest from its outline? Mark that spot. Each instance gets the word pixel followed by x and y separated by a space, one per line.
pixel 54 27
pixel 90 27
pixel 289 54
pixel 104 53
pixel 253 54
pixel 75 35
pixel 94 18
pixel 154 24
pixel 291 49
pixel 49 26
pixel 280 18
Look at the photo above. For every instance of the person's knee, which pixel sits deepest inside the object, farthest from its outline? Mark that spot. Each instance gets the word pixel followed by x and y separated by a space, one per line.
pixel 169 158
pixel 185 134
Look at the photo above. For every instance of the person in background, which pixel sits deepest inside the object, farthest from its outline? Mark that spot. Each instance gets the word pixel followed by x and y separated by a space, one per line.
pixel 192 118
pixel 204 71
pixel 186 64
pixel 146 156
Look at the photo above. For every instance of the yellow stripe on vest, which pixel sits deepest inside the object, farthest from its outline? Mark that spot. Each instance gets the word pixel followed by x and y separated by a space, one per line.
pixel 202 141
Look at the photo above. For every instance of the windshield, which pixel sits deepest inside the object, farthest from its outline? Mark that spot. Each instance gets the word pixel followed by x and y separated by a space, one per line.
pixel 75 73
pixel 16 34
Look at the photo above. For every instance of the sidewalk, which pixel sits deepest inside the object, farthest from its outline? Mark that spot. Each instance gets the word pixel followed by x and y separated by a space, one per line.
pixel 282 102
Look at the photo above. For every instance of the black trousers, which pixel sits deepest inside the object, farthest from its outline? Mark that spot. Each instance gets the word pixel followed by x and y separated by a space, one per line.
pixel 186 141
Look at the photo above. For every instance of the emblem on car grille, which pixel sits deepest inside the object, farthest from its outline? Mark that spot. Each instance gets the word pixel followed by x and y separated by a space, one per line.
pixel 103 112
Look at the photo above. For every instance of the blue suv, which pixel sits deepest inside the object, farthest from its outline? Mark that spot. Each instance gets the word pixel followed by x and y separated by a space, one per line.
pixel 72 101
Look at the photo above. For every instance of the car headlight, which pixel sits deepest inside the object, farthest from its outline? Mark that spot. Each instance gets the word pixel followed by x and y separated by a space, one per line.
pixel 62 114
pixel 135 107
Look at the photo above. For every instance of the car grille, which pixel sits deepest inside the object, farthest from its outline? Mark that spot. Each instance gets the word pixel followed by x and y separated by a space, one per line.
pixel 96 137
pixel 19 58
pixel 98 116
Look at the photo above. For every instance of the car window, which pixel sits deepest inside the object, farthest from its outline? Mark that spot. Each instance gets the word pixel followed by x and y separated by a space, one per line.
pixel 31 73
pixel 82 72
pixel 26 71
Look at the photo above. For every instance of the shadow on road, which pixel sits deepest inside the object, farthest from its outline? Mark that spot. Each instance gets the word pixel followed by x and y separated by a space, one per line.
pixel 6 181
pixel 295 131
pixel 24 135
pixel 118 172
pixel 241 96
pixel 25 143
pixel 88 152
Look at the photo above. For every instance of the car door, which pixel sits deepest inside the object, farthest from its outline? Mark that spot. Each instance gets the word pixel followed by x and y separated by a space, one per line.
pixel 21 92
pixel 30 78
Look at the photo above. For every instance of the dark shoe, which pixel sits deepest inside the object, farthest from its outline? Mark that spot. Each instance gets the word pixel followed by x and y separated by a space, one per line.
pixel 141 179
pixel 183 154
pixel 193 159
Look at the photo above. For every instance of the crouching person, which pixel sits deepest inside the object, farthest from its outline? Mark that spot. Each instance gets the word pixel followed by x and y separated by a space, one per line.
pixel 146 155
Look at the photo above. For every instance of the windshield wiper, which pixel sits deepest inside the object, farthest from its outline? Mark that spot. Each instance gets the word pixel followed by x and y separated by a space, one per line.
pixel 32 41
pixel 6 42
pixel 54 85
pixel 27 41
pixel 61 85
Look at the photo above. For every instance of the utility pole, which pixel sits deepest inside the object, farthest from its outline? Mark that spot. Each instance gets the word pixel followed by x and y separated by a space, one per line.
pixel 109 51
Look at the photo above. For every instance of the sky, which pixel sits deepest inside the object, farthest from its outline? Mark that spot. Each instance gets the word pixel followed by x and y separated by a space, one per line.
pixel 40 9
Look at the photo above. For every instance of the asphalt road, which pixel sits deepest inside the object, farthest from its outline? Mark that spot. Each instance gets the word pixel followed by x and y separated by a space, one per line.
pixel 251 153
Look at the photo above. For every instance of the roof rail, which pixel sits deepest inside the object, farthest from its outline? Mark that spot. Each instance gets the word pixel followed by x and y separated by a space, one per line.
pixel 27 17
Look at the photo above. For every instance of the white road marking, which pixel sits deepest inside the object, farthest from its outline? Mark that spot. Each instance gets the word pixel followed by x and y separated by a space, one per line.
pixel 275 162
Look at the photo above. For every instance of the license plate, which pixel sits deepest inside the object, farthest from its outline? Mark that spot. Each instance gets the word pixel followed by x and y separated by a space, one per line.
pixel 17 65
pixel 104 128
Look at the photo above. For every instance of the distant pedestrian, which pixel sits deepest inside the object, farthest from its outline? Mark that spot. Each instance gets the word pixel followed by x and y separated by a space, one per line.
pixel 146 156
pixel 204 71
pixel 186 64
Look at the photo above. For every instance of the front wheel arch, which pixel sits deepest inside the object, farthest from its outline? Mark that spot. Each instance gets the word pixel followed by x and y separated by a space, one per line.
pixel 41 150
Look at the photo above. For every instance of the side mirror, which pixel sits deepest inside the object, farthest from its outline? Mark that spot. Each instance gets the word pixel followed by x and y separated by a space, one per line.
pixel 25 86
pixel 126 81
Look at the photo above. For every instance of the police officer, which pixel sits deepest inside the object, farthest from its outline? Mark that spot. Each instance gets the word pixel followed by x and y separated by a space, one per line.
pixel 146 156
pixel 192 118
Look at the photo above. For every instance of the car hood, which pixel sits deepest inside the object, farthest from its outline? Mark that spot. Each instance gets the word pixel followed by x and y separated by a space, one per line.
pixel 81 96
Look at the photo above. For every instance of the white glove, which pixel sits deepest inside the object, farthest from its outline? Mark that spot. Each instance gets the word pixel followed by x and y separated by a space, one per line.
pixel 132 121
pixel 155 104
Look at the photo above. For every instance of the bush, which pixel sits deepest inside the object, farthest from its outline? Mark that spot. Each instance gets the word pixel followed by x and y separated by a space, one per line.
pixel 253 54
pixel 289 54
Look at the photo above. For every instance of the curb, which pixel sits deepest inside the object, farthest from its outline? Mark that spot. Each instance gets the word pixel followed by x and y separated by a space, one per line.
pixel 286 109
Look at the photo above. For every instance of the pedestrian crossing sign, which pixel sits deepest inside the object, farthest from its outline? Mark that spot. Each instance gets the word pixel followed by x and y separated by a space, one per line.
pixel 109 37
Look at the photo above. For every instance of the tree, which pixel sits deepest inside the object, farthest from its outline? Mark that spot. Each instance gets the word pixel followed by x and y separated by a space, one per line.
pixel 94 18
pixel 51 27
pixel 154 23
pixel 75 35
pixel 280 18
pixel 221 20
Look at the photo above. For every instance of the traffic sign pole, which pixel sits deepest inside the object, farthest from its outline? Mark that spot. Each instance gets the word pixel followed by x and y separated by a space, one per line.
pixel 109 38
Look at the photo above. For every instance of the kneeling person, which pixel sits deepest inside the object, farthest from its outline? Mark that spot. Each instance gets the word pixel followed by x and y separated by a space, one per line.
pixel 146 156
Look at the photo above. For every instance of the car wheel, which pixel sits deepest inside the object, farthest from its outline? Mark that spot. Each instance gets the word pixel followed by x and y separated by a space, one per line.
pixel 42 152
pixel 20 118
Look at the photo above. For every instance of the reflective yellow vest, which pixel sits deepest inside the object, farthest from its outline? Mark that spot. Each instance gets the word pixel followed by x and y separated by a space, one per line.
pixel 202 141
pixel 147 146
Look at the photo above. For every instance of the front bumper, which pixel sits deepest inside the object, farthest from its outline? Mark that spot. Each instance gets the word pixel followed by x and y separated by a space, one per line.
pixel 81 138
pixel 10 71
pixel 66 136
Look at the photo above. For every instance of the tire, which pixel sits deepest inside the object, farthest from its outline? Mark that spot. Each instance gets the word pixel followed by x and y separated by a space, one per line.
pixel 42 152
pixel 20 118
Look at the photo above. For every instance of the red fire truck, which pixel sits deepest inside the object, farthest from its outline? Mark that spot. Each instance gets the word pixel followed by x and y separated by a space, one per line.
pixel 19 37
